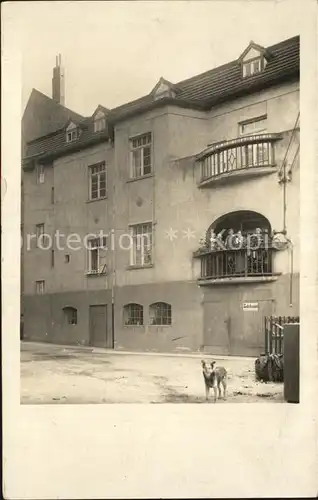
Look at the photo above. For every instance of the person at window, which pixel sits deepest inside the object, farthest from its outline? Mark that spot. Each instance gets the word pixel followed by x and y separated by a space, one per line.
pixel 229 239
pixel 213 241
pixel 220 244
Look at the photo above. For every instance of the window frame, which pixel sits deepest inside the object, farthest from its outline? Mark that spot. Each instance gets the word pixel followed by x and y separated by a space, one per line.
pixel 94 246
pixel 259 130
pixel 98 175
pixel 135 235
pixel 132 319
pixel 249 63
pixel 141 148
pixel 39 234
pixel 40 174
pixel 69 315
pixel 40 287
pixel 165 313
pixel 100 124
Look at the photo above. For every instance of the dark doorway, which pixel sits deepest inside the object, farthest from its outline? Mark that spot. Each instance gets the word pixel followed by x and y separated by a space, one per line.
pixel 99 333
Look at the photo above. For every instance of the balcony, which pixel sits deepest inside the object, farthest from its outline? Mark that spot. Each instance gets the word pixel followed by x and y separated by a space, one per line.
pixel 241 157
pixel 236 265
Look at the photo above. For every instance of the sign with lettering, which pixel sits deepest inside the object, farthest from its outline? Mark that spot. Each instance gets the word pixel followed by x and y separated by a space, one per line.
pixel 250 306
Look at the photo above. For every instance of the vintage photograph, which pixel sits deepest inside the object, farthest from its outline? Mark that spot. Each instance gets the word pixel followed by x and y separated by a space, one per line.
pixel 160 212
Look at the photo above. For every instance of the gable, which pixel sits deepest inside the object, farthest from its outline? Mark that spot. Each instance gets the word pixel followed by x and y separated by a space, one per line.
pixel 43 116
pixel 163 89
pixel 71 126
pixel 252 54
pixel 99 115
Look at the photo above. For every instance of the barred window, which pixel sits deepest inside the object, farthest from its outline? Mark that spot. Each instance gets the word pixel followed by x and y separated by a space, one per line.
pixel 133 314
pixel 97 181
pixel 160 313
pixel 141 162
pixel 70 314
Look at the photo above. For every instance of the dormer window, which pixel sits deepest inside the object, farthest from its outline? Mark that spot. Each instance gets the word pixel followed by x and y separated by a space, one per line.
pixel 253 66
pixel 253 60
pixel 99 121
pixel 163 89
pixel 72 132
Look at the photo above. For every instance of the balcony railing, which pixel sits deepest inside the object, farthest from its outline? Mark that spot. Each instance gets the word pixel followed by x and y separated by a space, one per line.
pixel 238 154
pixel 236 263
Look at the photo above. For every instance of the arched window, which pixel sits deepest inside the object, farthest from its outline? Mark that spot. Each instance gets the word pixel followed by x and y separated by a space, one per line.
pixel 160 313
pixel 133 314
pixel 70 315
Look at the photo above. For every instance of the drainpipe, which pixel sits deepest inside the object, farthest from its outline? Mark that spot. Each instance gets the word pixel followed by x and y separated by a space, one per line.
pixel 291 273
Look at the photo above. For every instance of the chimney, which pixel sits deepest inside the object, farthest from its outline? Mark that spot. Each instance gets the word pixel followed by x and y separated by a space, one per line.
pixel 58 84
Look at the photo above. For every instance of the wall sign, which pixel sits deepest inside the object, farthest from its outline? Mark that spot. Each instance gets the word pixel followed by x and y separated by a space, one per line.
pixel 250 306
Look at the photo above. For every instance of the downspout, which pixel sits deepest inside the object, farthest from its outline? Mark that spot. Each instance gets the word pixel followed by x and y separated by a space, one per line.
pixel 113 250
pixel 291 275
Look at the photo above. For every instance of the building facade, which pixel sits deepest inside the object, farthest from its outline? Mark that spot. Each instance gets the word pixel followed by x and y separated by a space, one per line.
pixel 187 201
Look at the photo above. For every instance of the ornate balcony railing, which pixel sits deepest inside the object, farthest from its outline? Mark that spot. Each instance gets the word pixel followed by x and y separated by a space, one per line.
pixel 236 263
pixel 239 154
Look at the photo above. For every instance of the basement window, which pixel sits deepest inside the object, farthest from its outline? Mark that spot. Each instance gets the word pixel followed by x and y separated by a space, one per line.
pixel 70 315
pixel 160 313
pixel 133 315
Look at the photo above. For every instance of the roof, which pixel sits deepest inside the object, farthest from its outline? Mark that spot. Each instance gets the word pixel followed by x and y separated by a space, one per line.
pixel 224 82
pixel 54 145
pixel 43 116
pixel 47 119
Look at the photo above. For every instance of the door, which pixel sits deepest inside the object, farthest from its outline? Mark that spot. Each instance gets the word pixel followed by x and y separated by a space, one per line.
pixel 247 333
pixel 216 335
pixel 99 335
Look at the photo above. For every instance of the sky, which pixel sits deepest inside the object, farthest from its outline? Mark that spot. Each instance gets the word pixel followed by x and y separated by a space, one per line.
pixel 114 52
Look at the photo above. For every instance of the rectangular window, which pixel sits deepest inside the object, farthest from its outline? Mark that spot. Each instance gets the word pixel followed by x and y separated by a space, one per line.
pixel 141 161
pixel 97 248
pixel 99 124
pixel 72 135
pixel 254 126
pixel 52 195
pixel 52 258
pixel 40 287
pixel 39 228
pixel 40 174
pixel 141 254
pixel 97 181
pixel 253 66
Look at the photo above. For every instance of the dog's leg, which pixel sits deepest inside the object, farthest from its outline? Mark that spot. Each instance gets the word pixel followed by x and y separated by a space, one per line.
pixel 224 383
pixel 215 389
pixel 219 390
pixel 207 390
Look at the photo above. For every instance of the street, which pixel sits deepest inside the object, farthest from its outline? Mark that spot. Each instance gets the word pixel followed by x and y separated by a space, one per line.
pixel 53 374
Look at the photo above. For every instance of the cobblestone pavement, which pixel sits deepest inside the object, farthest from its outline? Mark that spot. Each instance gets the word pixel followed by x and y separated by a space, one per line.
pixel 53 374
